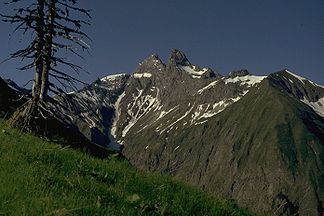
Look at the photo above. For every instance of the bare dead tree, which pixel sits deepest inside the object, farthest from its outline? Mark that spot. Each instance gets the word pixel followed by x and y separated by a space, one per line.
pixel 63 34
pixel 56 27
pixel 30 19
pixel 39 45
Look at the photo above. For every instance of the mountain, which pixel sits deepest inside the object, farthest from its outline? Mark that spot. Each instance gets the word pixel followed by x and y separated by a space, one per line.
pixel 57 123
pixel 256 139
pixel 17 88
pixel 92 109
pixel 10 99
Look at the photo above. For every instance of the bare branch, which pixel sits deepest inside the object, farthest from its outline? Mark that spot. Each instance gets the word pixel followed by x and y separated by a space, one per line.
pixel 54 28
pixel 67 75
pixel 86 12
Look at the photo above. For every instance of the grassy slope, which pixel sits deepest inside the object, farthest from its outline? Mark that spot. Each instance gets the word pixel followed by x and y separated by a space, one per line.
pixel 41 178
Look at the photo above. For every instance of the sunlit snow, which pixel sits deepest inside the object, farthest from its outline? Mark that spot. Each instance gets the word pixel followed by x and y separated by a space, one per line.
pixel 210 85
pixel 319 86
pixel 249 80
pixel 164 113
pixel 203 111
pixel 112 77
pixel 301 79
pixel 192 71
pixel 142 104
pixel 141 75
pixel 317 106
pixel 117 115
pixel 179 119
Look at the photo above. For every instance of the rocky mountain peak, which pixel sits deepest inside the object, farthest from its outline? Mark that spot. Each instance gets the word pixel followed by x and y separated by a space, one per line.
pixel 238 73
pixel 303 89
pixel 152 64
pixel 179 61
pixel 153 57
pixel 178 57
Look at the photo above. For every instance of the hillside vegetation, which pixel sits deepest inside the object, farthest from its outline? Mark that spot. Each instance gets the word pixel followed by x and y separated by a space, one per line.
pixel 42 178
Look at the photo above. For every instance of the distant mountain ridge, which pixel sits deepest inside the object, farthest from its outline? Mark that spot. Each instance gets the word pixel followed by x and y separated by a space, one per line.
pixel 256 139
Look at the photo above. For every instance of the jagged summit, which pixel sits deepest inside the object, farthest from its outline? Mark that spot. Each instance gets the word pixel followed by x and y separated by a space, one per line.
pixel 178 62
pixel 235 73
pixel 152 58
pixel 113 76
pixel 178 57
pixel 152 64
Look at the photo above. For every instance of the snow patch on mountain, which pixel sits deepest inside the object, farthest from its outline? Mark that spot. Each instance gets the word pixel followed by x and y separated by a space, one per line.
pixel 203 122
pixel 210 85
pixel 192 70
pixel 91 121
pixel 87 97
pixel 319 85
pixel 141 105
pixel 205 111
pixel 249 80
pixel 164 113
pixel 117 115
pixel 112 77
pixel 317 106
pixel 178 120
pixel 141 75
pixel 301 79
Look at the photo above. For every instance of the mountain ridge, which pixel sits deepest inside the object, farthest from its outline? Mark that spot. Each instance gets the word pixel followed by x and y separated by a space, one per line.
pixel 256 139
pixel 182 113
pixel 156 164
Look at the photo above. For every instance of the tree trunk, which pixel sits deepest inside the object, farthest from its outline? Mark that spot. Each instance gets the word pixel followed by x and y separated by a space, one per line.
pixel 48 49
pixel 40 42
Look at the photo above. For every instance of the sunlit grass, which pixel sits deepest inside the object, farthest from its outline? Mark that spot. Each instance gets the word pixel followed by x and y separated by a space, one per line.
pixel 42 178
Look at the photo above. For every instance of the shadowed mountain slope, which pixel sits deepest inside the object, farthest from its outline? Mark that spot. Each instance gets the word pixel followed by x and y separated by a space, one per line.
pixel 256 139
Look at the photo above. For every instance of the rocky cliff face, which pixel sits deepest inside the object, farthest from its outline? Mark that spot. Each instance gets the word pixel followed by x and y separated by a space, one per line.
pixel 177 95
pixel 256 139
pixel 92 109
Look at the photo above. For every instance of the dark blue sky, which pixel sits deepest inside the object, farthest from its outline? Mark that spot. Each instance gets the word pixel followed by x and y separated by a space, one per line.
pixel 261 36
